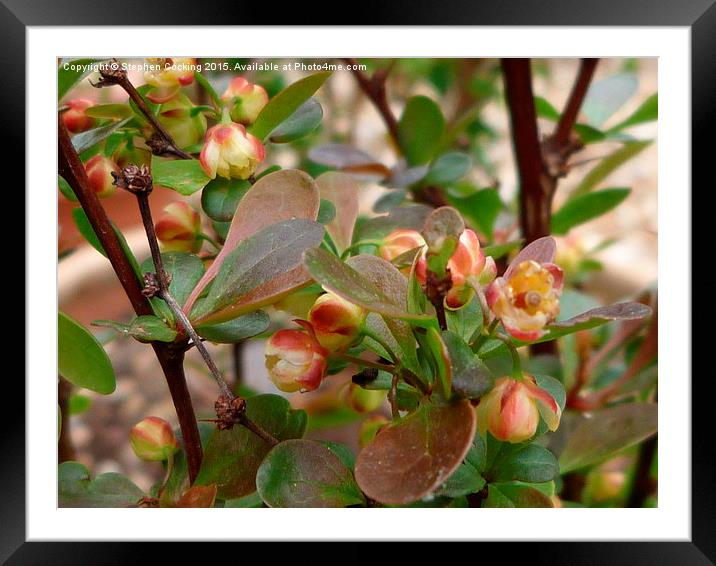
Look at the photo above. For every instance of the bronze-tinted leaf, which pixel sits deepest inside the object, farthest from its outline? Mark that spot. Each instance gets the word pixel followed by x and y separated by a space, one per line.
pixel 409 459
pixel 342 190
pixel 282 195
pixel 541 250
pixel 198 496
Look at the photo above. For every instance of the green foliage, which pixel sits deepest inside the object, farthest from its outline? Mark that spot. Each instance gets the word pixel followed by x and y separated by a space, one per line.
pixel 76 489
pixel 302 122
pixel 420 129
pixel 581 209
pixel 147 328
pixel 67 79
pixel 220 197
pixel 185 176
pixel 81 359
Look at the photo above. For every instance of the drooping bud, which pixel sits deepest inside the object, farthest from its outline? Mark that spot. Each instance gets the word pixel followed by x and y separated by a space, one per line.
pixel 363 400
pixel 230 152
pixel 336 322
pixel 168 76
pixel 99 172
pixel 246 100
pixel 528 299
pixel 511 410
pixel 153 440
pixel 185 127
pixel 295 360
pixel 75 118
pixel 178 228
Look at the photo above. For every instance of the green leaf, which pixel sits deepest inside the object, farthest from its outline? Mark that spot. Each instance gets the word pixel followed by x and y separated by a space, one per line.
pixel 79 404
pixel 67 79
pixel 257 260
pixel 112 111
pixel 593 318
pixel 206 85
pixel 146 328
pixel 465 480
pixel 306 473
pixel 341 279
pixel 232 457
pixel 85 140
pixel 65 189
pixel 301 123
pixel 327 212
pixel 76 489
pixel 447 168
pixel 479 209
pixel 465 321
pixel 281 107
pixel 581 209
pixel 236 330
pixel 589 134
pixel 184 176
pixel 390 200
pixel 499 250
pixel 220 197
pixel 647 112
pixel 420 129
pixel 608 95
pixel 248 501
pixel 412 457
pixel 545 110
pixel 470 376
pixel 531 463
pixel 185 270
pixel 412 216
pixel 81 359
pixel 608 432
pixel 85 228
pixel 515 495
pixel 441 360
pixel 607 165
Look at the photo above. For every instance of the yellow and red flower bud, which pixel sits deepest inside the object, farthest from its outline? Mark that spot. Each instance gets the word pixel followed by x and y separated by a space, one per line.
pixel 403 240
pixel 528 299
pixel 247 100
pixel 363 400
pixel 511 410
pixel 336 322
pixel 176 117
pixel 369 428
pixel 178 228
pixel 99 173
pixel 129 154
pixel 295 360
pixel 75 119
pixel 230 152
pixel 170 75
pixel 153 439
pixel 468 266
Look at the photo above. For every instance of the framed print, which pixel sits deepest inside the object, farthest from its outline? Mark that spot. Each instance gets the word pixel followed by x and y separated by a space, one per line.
pixel 407 271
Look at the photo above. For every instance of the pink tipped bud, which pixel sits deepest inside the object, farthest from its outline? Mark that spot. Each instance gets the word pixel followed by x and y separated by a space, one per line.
pixel 99 172
pixel 153 440
pixel 528 299
pixel 230 152
pixel 512 409
pixel 363 400
pixel 398 242
pixel 75 118
pixel 167 76
pixel 247 100
pixel 369 428
pixel 295 360
pixel 178 228
pixel 468 266
pixel 336 322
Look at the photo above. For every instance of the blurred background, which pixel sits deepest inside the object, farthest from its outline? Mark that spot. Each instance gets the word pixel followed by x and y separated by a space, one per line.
pixel 622 243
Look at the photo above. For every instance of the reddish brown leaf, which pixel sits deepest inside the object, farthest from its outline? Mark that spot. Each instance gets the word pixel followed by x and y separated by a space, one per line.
pixel 408 460
pixel 541 250
pixel 342 191
pixel 198 496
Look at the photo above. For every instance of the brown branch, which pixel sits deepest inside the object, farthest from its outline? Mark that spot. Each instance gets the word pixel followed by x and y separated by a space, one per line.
pixel 170 356
pixel 374 88
pixel 643 485
pixel 569 115
pixel 162 143
pixel 65 447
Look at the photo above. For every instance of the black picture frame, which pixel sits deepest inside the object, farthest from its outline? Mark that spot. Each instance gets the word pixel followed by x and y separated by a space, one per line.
pixel 698 15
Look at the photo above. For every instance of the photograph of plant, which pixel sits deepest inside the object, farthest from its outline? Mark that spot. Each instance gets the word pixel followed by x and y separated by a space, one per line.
pixel 357 282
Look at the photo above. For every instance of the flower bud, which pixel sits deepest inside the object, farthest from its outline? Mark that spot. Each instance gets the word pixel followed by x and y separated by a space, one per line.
pixel 511 410
pixel 75 119
pixel 468 266
pixel 363 400
pixel 369 428
pixel 153 440
pixel 230 152
pixel 176 117
pixel 178 228
pixel 603 485
pixel 247 100
pixel 169 77
pixel 336 322
pixel 99 172
pixel 128 154
pixel 528 299
pixel 295 360
pixel 398 242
